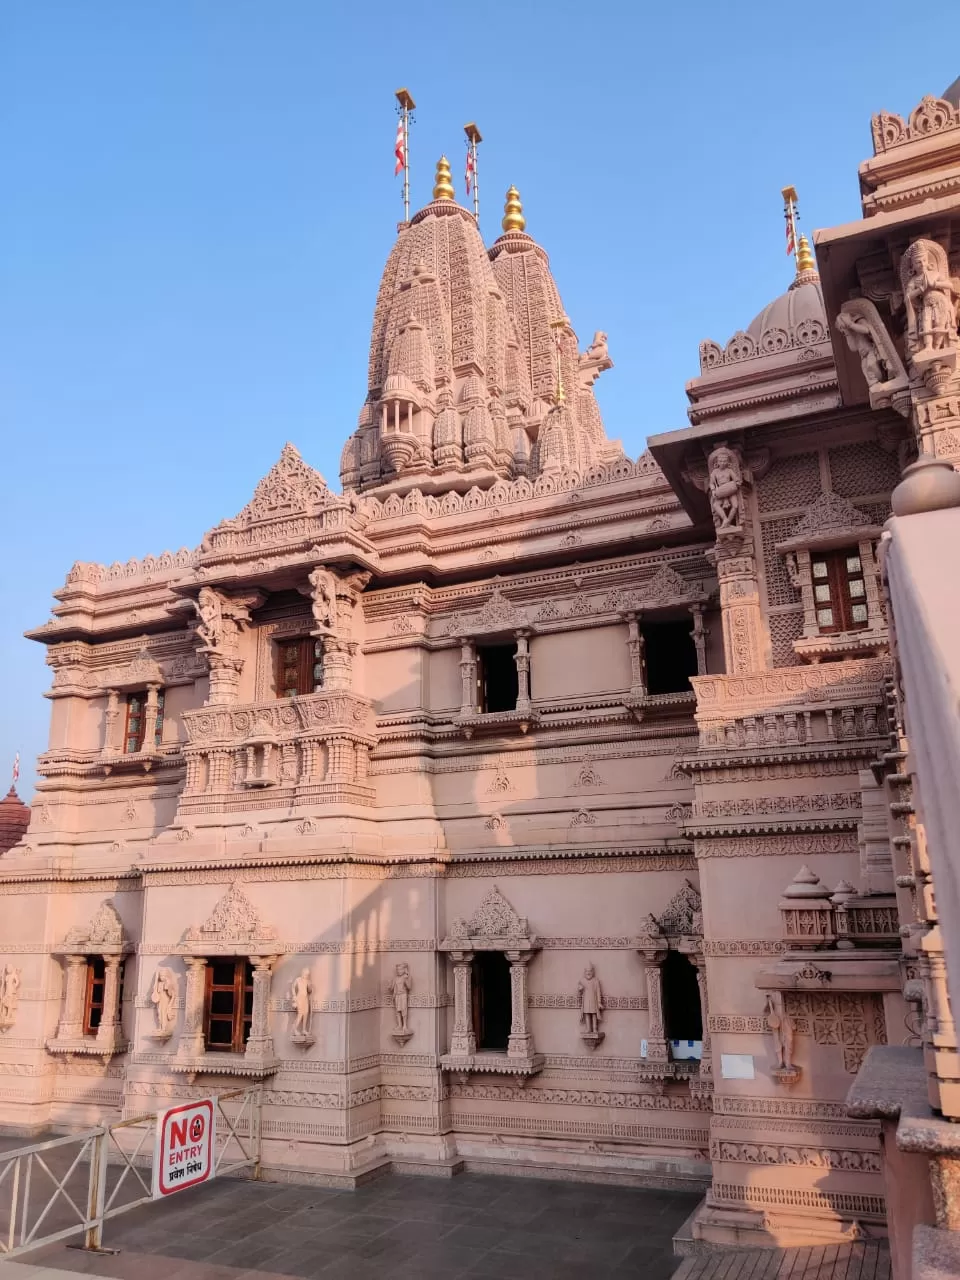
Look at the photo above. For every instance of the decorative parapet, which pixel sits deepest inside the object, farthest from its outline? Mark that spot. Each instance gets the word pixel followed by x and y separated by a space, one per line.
pixel 89 576
pixel 802 337
pixel 930 117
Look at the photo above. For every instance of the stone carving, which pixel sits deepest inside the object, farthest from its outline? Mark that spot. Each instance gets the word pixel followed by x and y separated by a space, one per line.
pixel 9 996
pixel 829 514
pixel 495 918
pixel 301 992
pixel 163 996
pixel 929 297
pixel 725 480
pixel 290 487
pixel 782 1030
pixel 590 997
pixel 323 600
pixel 683 912
pixel 399 990
pixel 233 920
pixel 866 335
pixel 105 929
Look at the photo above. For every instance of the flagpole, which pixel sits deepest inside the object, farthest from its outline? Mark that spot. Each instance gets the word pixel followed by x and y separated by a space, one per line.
pixel 406 105
pixel 474 137
pixel 790 213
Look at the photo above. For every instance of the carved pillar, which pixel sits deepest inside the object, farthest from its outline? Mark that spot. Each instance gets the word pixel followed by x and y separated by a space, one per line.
pixel 109 1030
pixel 191 1039
pixel 224 678
pixel 194 772
pixel 338 664
pixel 520 1043
pixel 744 636
pixel 463 1042
pixel 699 637
pixel 522 659
pixel 871 585
pixel 706 1055
pixel 260 1043
pixel 110 717
pixel 657 1049
pixel 468 678
pixel 150 718
pixel 638 682
pixel 805 579
pixel 71 1020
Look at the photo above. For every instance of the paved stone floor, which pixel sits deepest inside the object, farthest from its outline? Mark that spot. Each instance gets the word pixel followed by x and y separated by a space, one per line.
pixel 818 1262
pixel 392 1229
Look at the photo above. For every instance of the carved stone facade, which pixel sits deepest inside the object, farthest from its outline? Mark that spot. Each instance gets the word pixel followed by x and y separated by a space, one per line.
pixel 523 788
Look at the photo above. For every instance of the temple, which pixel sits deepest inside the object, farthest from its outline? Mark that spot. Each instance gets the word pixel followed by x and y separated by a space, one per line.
pixel 525 807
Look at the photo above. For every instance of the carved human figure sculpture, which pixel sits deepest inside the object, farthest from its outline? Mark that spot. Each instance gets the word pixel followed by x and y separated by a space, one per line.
pixel 591 1000
pixel 929 297
pixel 782 1030
pixel 725 480
pixel 164 998
pixel 301 992
pixel 399 989
pixel 210 611
pixel 323 599
pixel 597 349
pixel 860 339
pixel 9 996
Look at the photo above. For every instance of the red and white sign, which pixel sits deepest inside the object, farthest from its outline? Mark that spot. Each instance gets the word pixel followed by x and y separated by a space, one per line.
pixel 185 1147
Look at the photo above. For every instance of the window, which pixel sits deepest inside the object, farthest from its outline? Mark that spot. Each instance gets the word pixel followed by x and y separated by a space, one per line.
pixel 299 667
pixel 228 1005
pixel 682 1016
pixel 93 995
pixel 498 682
pixel 670 656
pixel 839 594
pixel 492 1000
pixel 136 726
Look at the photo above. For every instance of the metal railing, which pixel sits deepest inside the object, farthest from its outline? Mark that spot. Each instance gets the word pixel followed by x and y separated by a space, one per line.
pixel 52 1190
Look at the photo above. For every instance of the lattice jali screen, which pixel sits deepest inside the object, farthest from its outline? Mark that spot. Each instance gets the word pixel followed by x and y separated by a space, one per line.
pixel 784 629
pixel 852 1021
pixel 862 468
pixel 790 483
pixel 779 588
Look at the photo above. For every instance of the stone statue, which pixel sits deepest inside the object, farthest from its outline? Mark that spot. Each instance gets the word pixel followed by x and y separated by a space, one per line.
pixel 597 349
pixel 323 599
pixel 9 996
pixel 166 987
pixel 783 1031
pixel 591 1000
pixel 929 295
pixel 301 992
pixel 860 339
pixel 399 989
pixel 210 611
pixel 725 480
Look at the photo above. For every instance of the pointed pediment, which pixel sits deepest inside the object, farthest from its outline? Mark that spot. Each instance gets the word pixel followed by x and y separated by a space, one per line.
pixel 290 487
pixel 831 513
pixel 683 912
pixel 234 921
pixel 102 936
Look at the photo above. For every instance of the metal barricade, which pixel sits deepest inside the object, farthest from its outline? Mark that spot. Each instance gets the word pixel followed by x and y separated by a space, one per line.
pixel 55 1189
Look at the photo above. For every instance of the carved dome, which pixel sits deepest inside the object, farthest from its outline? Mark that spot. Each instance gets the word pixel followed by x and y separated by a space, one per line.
pixel 14 820
pixel 462 359
pixel 794 311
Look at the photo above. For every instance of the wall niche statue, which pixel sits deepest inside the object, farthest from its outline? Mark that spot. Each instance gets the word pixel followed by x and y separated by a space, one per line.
pixel 929 296
pixel 399 990
pixel 783 1033
pixel 725 481
pixel 866 335
pixel 590 996
pixel 9 996
pixel 323 601
pixel 301 996
pixel 163 996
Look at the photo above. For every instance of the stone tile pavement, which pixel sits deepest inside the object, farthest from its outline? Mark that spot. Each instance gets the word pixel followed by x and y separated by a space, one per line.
pixel 397 1228
pixel 868 1261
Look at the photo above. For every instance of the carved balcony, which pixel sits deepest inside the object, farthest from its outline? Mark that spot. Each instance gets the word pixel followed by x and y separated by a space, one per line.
pixel 287 752
pixel 814 918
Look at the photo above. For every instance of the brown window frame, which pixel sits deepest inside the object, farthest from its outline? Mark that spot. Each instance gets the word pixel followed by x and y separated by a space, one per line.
pixel 837 581
pixel 136 736
pixel 94 992
pixel 240 1020
pixel 307 659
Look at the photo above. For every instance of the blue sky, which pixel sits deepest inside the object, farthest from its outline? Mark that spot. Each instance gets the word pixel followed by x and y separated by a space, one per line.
pixel 198 198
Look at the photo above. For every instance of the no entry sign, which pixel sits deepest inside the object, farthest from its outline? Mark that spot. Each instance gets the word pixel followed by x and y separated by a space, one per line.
pixel 185 1147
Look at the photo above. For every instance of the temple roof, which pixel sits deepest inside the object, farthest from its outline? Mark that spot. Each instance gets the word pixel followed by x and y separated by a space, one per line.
pixel 14 820
pixel 474 372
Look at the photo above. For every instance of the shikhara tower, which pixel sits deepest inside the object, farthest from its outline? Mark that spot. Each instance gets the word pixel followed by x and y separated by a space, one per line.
pixel 531 801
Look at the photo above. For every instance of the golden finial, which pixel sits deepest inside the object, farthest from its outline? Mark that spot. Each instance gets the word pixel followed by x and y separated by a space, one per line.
pixel 805 259
pixel 443 184
pixel 513 219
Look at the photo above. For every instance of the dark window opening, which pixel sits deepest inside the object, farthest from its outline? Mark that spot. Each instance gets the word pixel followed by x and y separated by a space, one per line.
pixel 681 998
pixel 492 1000
pixel 498 686
pixel 93 995
pixel 136 724
pixel 670 656
pixel 228 1005
pixel 299 667
pixel 839 590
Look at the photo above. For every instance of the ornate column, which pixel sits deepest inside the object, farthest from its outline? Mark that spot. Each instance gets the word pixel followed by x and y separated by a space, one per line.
pixel 706 1055
pixel 744 644
pixel 191 1038
pixel 110 717
pixel 468 678
pixel 657 1048
pixel 522 659
pixel 150 720
pixel 71 1020
pixel 260 1043
pixel 463 1042
pixel 520 1043
pixel 109 1031
pixel 699 637
pixel 638 683
pixel 338 664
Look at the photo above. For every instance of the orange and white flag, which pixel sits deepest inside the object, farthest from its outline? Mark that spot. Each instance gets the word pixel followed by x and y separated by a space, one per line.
pixel 399 149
